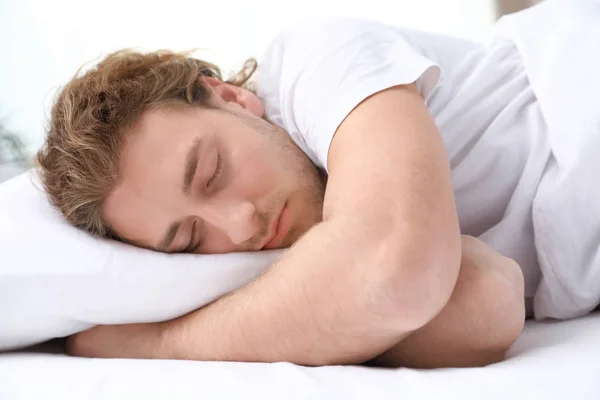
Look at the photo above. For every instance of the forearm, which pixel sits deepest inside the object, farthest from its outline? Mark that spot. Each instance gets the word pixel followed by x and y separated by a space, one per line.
pixel 326 301
pixel 317 305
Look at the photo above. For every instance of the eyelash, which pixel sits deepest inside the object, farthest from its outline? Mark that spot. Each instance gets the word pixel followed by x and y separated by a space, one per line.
pixel 189 248
pixel 217 171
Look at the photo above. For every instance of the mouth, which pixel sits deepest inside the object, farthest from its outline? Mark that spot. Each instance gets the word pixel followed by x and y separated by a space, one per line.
pixel 279 229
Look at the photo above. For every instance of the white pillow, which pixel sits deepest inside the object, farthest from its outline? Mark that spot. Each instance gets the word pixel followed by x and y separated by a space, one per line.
pixel 56 280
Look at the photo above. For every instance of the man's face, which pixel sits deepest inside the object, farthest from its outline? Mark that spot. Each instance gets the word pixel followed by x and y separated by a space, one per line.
pixel 212 181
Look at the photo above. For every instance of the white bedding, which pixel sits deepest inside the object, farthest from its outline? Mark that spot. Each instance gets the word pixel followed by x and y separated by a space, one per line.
pixel 552 360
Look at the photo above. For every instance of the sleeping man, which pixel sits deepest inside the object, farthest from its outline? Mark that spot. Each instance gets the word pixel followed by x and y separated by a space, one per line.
pixel 401 170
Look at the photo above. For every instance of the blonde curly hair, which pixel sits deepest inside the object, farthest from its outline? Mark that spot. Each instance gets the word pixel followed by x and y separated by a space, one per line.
pixel 91 116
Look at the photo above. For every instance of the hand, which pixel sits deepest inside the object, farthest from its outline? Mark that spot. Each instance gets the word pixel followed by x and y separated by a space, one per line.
pixel 119 341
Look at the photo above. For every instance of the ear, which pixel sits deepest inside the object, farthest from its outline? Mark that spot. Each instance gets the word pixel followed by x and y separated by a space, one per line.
pixel 235 96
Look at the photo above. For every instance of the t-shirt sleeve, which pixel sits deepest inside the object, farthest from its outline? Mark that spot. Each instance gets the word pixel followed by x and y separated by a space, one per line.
pixel 313 75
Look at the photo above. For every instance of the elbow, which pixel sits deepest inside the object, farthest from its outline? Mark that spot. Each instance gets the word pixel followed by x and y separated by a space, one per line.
pixel 500 312
pixel 420 279
pixel 502 308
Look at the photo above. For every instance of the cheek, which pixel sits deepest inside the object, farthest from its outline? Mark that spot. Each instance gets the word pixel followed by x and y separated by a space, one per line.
pixel 256 175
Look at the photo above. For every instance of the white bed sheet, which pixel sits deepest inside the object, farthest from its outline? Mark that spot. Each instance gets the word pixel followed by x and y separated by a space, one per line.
pixel 552 360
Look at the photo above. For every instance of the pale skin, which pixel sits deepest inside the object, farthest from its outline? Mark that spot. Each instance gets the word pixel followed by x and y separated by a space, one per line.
pixel 376 271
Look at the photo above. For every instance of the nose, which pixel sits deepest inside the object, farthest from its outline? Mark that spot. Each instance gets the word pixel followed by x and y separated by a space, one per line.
pixel 235 218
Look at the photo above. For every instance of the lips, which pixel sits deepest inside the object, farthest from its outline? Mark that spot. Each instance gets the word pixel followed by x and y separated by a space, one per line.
pixel 278 230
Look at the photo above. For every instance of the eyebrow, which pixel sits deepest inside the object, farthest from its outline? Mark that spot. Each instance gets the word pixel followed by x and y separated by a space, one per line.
pixel 191 163
pixel 168 239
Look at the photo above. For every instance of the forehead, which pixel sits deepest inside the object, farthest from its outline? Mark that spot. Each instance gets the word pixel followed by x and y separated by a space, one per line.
pixel 160 137
pixel 170 124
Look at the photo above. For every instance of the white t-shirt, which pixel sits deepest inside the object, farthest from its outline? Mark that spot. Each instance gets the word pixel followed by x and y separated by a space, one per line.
pixel 314 74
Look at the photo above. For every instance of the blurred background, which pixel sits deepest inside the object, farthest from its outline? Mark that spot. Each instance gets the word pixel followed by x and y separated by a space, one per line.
pixel 44 42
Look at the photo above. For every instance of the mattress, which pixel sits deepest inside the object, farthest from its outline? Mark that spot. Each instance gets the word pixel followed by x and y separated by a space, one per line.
pixel 551 360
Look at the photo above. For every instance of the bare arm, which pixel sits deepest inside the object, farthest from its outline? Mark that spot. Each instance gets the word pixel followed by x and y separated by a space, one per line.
pixel 484 317
pixel 382 264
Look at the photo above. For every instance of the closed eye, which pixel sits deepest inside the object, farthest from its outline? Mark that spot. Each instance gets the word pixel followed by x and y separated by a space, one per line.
pixel 191 247
pixel 218 171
